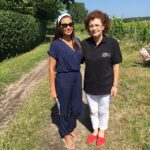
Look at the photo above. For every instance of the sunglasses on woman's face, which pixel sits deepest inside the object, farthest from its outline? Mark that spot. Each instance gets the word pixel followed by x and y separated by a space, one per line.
pixel 65 25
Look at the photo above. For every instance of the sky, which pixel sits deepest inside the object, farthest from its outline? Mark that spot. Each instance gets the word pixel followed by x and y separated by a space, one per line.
pixel 120 8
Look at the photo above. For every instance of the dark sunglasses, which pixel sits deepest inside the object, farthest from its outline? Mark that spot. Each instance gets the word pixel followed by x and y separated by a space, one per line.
pixel 65 25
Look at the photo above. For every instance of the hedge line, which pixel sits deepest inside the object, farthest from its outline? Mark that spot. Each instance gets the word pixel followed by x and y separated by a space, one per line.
pixel 19 33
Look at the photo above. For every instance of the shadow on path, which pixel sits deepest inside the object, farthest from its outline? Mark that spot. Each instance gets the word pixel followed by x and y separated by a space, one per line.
pixel 84 117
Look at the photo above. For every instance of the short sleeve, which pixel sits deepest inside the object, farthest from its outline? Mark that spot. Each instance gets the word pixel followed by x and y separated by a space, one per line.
pixel 116 56
pixel 83 52
pixel 53 51
pixel 82 60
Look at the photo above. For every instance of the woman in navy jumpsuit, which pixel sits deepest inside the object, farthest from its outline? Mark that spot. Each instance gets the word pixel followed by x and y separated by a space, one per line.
pixel 65 56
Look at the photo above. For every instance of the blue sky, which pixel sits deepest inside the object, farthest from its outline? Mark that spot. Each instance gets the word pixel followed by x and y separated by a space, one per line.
pixel 120 8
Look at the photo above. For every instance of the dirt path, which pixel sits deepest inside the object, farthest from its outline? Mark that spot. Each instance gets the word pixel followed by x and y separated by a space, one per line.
pixel 13 97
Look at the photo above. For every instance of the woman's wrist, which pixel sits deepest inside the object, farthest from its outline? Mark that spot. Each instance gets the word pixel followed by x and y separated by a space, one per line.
pixel 51 90
pixel 114 85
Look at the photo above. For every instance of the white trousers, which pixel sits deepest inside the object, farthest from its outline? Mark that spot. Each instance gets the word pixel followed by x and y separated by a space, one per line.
pixel 99 108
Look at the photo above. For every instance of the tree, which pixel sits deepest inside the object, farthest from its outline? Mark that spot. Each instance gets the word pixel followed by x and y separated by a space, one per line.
pixel 42 9
pixel 78 12
pixel 47 9
pixel 68 3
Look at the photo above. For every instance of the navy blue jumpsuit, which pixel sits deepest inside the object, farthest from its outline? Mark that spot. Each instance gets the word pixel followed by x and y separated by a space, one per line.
pixel 68 84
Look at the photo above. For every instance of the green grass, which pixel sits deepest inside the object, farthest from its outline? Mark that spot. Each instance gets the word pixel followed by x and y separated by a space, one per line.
pixel 24 131
pixel 12 69
pixel 133 99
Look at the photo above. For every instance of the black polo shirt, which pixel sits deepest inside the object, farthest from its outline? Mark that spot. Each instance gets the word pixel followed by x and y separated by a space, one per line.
pixel 99 61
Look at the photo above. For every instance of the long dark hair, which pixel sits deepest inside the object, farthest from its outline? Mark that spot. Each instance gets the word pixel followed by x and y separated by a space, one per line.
pixel 58 34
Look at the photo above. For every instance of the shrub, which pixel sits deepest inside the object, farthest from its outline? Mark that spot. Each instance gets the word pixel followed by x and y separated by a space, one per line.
pixel 79 27
pixel 19 33
pixel 117 28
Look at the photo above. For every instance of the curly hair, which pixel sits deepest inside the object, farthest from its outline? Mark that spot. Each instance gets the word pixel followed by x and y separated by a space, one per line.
pixel 99 15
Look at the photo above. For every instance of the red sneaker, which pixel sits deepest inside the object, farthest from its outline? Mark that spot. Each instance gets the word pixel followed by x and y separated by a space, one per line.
pixel 91 138
pixel 101 140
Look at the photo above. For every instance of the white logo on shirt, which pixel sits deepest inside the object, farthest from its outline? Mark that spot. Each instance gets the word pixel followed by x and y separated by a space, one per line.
pixel 105 54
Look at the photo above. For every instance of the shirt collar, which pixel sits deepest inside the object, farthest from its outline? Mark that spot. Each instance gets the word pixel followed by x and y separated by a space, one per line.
pixel 92 42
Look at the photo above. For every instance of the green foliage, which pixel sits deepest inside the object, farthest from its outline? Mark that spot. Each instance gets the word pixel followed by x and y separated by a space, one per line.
pixel 137 30
pixel 79 27
pixel 47 9
pixel 68 3
pixel 78 12
pixel 19 33
pixel 14 5
pixel 2 4
pixel 117 28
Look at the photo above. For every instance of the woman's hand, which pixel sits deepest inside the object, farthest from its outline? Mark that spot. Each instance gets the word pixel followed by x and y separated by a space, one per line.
pixel 53 95
pixel 52 67
pixel 114 89
pixel 114 92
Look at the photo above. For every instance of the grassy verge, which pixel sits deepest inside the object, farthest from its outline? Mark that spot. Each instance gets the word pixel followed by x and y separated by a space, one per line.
pixel 133 100
pixel 24 131
pixel 12 69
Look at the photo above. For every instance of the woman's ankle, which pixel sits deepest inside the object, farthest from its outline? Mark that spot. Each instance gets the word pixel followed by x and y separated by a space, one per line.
pixel 95 132
pixel 101 133
pixel 66 137
pixel 68 141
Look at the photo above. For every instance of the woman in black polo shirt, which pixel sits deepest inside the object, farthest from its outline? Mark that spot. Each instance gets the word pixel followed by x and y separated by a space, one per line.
pixel 102 57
